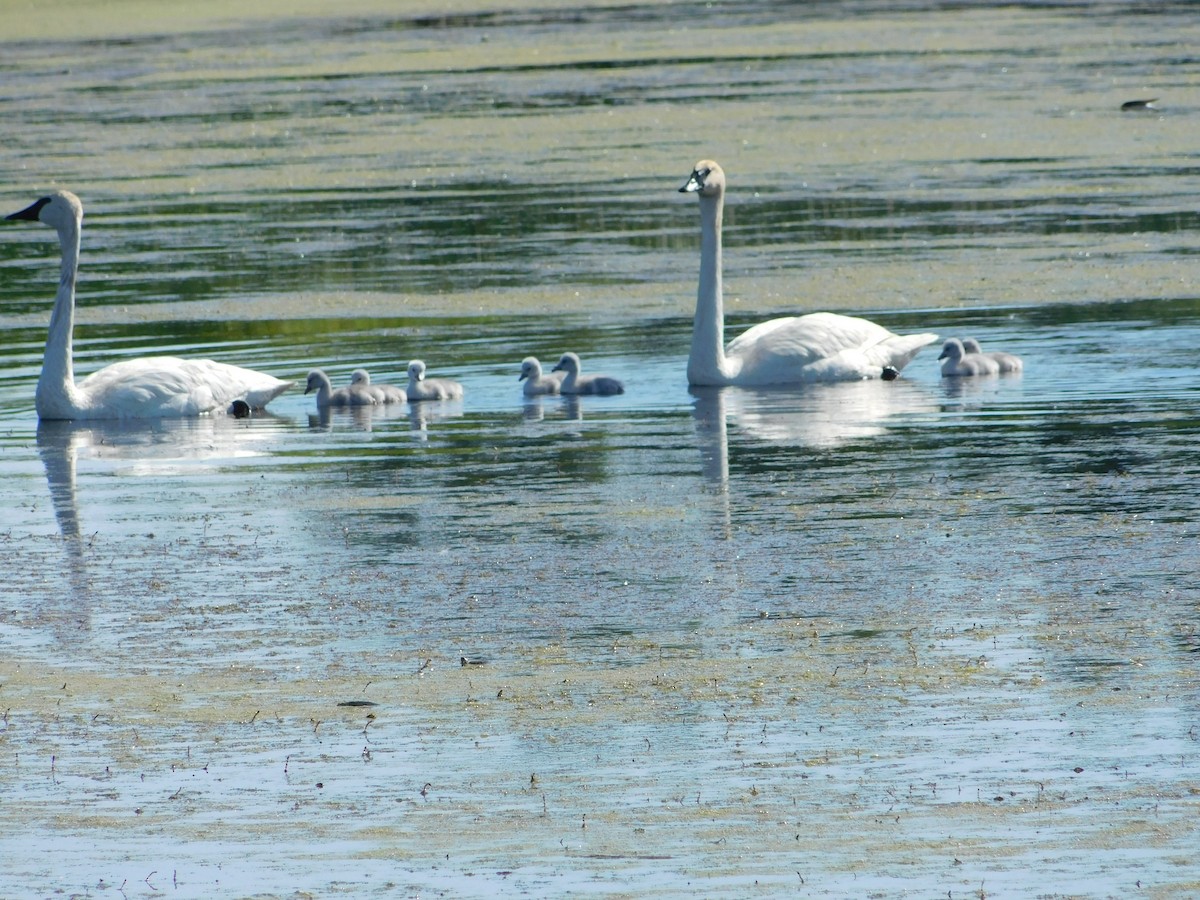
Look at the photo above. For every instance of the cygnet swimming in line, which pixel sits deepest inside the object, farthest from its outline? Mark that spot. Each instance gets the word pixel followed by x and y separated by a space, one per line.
pixel 383 393
pixel 956 362
pixel 817 347
pixel 575 383
pixel 422 388
pixel 326 396
pixel 1006 361
pixel 537 384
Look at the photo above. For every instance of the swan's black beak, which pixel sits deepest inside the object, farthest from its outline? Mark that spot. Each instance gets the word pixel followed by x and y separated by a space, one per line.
pixel 521 377
pixel 30 213
pixel 694 183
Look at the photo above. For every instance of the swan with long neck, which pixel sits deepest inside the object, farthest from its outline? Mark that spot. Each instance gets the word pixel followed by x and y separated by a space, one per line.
pixel 817 347
pixel 152 387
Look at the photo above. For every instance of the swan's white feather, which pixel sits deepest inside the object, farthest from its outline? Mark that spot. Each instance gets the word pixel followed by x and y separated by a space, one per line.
pixel 819 347
pixel 167 386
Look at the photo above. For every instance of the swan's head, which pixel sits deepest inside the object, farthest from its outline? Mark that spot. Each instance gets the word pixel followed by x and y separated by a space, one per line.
pixel 416 370
pixel 952 349
pixel 707 180
pixel 316 380
pixel 58 210
pixel 569 363
pixel 530 368
pixel 360 377
pixel 970 345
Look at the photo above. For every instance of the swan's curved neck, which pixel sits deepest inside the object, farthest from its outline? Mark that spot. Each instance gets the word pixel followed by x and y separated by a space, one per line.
pixel 56 396
pixel 707 363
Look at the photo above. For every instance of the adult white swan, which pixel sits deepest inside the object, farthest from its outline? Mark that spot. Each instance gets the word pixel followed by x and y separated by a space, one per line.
pixel 153 387
pixel 793 350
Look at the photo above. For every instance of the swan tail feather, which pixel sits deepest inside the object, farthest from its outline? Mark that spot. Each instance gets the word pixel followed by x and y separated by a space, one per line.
pixel 897 352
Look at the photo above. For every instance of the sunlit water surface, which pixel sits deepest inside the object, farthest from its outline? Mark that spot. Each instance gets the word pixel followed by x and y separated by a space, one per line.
pixel 920 638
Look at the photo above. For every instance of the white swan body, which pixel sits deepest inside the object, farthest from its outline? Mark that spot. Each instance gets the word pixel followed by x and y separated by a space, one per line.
pixel 575 383
pixel 422 388
pixel 152 387
pixel 1007 362
pixel 794 350
pixel 537 384
pixel 957 363
pixel 355 395
pixel 383 393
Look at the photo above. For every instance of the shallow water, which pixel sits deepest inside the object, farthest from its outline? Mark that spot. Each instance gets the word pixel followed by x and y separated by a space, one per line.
pixel 919 638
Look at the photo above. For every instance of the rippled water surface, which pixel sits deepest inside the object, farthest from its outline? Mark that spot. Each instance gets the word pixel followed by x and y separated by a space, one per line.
pixel 916 638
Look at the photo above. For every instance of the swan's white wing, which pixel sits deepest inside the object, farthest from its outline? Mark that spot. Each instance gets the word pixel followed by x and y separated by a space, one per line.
pixel 160 386
pixel 820 347
pixel 812 337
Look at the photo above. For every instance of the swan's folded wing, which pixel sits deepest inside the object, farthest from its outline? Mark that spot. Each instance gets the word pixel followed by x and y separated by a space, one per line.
pixel 158 386
pixel 821 347
pixel 810 337
pixel 783 349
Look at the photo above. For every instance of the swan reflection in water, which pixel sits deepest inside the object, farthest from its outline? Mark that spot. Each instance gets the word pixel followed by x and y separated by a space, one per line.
pixel 362 418
pixel 564 406
pixel 429 412
pixel 70 616
pixel 138 445
pixel 814 417
pixel 969 390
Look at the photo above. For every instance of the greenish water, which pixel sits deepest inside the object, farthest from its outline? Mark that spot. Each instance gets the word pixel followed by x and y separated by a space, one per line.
pixel 916 638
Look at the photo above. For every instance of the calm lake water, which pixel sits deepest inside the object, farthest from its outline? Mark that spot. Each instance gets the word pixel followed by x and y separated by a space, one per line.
pixel 916 638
